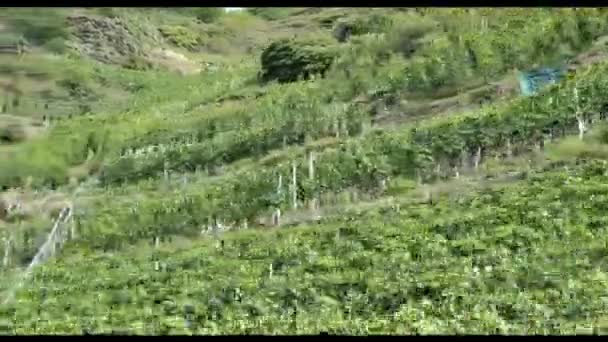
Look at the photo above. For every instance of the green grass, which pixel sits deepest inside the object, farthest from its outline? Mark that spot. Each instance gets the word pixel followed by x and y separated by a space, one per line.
pixel 36 25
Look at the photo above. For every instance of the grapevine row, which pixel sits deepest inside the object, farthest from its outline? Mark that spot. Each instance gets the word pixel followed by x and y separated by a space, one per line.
pixel 433 150
pixel 495 251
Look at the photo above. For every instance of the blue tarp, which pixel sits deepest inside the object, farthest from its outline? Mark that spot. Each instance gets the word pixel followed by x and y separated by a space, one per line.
pixel 530 82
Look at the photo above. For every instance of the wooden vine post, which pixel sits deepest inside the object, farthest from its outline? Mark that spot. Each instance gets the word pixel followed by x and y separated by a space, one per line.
pixel 477 158
pixel 73 234
pixel 277 213
pixel 438 167
pixel 166 171
pixel 294 186
pixel 420 182
pixel 311 176
pixel 539 143
pixel 365 122
pixel 337 127
pixel 353 195
pixel 464 160
pixel 456 172
pixel 365 125
pixel 579 115
pixel 184 180
pixel 509 148
pixel 8 245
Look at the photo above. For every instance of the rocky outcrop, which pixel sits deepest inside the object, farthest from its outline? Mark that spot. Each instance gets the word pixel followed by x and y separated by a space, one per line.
pixel 109 40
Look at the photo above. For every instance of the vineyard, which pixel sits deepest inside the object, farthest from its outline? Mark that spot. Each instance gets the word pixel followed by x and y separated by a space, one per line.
pixel 490 262
pixel 311 183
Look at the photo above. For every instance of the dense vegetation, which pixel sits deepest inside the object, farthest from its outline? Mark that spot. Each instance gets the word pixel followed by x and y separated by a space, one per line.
pixel 432 150
pixel 489 262
pixel 235 117
pixel 394 75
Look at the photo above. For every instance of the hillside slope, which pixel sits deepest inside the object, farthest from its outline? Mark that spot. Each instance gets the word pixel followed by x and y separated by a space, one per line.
pixel 429 196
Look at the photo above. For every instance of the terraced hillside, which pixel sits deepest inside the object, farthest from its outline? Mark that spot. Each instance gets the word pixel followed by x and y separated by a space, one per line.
pixel 154 163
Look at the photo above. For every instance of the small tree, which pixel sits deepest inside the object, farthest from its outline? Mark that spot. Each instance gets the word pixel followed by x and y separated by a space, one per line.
pixel 290 60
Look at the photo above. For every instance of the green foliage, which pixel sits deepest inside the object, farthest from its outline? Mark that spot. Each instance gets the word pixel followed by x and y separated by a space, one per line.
pixel 208 14
pixel 491 262
pixel 292 60
pixel 449 48
pixel 374 23
pixel 362 162
pixel 56 45
pixel 136 62
pixel 485 262
pixel 9 38
pixel 406 32
pixel 38 25
pixel 364 67
pixel 27 237
pixel 157 91
pixel 181 36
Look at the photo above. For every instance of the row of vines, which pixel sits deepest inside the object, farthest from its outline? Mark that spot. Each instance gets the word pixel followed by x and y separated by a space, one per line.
pixel 491 42
pixel 493 263
pixel 48 159
pixel 436 149
pixel 287 113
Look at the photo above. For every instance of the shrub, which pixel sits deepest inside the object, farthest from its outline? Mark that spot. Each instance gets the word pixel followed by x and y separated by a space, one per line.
pixel 405 35
pixel 372 24
pixel 136 62
pixel 180 36
pixel 56 45
pixel 290 60
pixel 12 134
pixel 209 14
